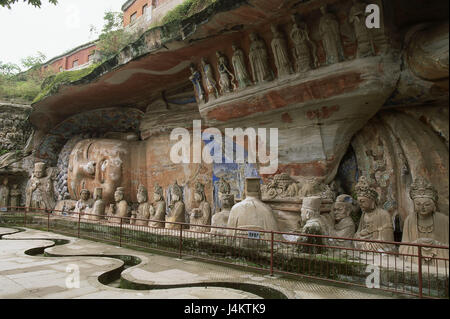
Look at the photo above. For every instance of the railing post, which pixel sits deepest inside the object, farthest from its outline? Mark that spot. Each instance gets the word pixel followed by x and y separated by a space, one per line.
pixel 120 232
pixel 271 253
pixel 48 221
pixel 25 218
pixel 79 224
pixel 420 272
pixel 181 241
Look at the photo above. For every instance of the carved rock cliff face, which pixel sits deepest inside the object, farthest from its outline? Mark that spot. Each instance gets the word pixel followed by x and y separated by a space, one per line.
pixel 397 146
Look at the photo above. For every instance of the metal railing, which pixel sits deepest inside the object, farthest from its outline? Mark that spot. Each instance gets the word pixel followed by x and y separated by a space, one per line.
pixel 333 259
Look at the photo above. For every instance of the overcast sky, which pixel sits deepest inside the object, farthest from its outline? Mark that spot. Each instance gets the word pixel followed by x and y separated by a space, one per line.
pixel 53 30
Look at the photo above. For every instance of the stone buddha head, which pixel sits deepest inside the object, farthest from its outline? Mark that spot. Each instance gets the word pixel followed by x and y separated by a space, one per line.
pixel 158 194
pixel 98 193
pixel 227 201
pixel 119 194
pixel 85 194
pixel 142 194
pixel 39 170
pixel 343 207
pixel 176 192
pixel 367 196
pixel 424 196
pixel 310 208
pixel 199 194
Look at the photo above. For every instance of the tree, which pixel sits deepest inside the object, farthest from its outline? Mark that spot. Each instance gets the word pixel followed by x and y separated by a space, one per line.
pixel 31 62
pixel 36 3
pixel 8 69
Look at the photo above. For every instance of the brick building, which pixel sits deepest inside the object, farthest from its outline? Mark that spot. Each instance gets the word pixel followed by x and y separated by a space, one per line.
pixel 77 58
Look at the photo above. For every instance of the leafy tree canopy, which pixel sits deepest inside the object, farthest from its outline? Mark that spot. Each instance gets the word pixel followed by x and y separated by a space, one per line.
pixel 36 3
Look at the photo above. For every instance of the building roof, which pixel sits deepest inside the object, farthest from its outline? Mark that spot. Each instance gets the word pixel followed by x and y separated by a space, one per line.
pixel 72 51
pixel 127 4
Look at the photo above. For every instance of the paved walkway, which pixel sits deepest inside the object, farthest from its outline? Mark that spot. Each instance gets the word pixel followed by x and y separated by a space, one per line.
pixel 25 276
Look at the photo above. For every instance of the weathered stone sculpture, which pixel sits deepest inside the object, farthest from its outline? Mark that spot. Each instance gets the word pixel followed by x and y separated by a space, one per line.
pixel 426 225
pixel 158 209
pixel 142 214
pixel 304 50
pixel 39 193
pixel 196 79
pixel 210 82
pixel 331 38
pixel 202 214
pixel 15 195
pixel 4 193
pixel 357 17
pixel 343 224
pixel 226 77
pixel 220 219
pixel 177 208
pixel 280 186
pixel 84 204
pixel 252 213
pixel 120 211
pixel 280 53
pixel 312 224
pixel 375 223
pixel 98 210
pixel 259 60
pixel 238 61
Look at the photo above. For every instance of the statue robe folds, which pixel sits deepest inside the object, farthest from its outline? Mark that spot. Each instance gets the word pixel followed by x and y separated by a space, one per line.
pixel 158 214
pixel 438 235
pixel 177 215
pixel 376 225
pixel 201 216
pixel 39 193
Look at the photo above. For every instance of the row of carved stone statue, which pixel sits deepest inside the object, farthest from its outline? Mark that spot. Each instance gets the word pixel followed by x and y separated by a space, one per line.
pixel 304 52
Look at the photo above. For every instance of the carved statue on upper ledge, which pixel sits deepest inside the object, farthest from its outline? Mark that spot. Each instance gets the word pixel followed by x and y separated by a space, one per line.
pixel 259 60
pixel 210 82
pixel 40 192
pixel 196 79
pixel 280 53
pixel 202 214
pixel 226 78
pixel 238 61
pixel 304 50
pixel 426 225
pixel 331 37
pixel 158 209
pixel 375 223
pixel 357 17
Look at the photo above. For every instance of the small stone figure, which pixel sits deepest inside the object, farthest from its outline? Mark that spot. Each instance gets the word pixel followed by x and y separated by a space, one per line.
pixel 357 17
pixel 39 193
pixel 375 223
pixel 177 208
pixel 196 79
pixel 238 61
pixel 98 211
pixel 312 224
pixel 343 224
pixel 4 193
pixel 120 208
pixel 331 38
pixel 224 187
pixel 259 60
pixel 15 195
pixel 142 215
pixel 84 204
pixel 426 225
pixel 280 53
pixel 226 77
pixel 221 219
pixel 202 214
pixel 211 85
pixel 304 50
pixel 158 209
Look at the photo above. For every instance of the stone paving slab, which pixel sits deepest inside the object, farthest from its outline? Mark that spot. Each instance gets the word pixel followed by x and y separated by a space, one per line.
pixel 44 277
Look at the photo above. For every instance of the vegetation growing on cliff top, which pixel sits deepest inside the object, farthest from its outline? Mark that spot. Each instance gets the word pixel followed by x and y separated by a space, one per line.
pixel 36 3
pixel 186 9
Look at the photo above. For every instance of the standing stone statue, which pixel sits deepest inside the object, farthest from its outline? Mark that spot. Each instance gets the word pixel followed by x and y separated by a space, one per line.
pixel 331 38
pixel 142 215
pixel 357 17
pixel 177 208
pixel 344 225
pixel 259 60
pixel 304 50
pixel 375 223
pixel 238 61
pixel 196 79
pixel 202 214
pixel 15 195
pixel 84 205
pixel 226 77
pixel 158 209
pixel 312 224
pixel 4 193
pixel 120 208
pixel 98 211
pixel 221 219
pixel 211 85
pixel 426 225
pixel 39 192
pixel 280 53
